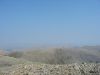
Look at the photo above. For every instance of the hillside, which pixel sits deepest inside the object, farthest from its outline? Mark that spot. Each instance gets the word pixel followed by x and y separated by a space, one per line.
pixel 68 55
pixel 52 61
pixel 6 62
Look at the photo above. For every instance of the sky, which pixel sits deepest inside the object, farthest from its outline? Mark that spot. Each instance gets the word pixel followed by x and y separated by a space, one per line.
pixel 28 23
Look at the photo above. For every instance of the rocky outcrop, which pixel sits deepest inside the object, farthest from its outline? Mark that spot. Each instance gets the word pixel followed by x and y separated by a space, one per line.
pixel 46 69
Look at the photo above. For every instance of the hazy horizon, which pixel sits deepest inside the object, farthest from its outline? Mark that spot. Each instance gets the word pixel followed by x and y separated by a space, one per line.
pixel 29 23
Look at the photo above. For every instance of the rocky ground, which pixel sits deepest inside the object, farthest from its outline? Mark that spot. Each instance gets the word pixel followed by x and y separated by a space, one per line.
pixel 47 69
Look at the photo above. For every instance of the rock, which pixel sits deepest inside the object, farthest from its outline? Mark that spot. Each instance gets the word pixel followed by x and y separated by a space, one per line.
pixel 47 69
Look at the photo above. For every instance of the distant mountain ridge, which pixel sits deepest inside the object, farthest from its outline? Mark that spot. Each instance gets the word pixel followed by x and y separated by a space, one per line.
pixel 92 47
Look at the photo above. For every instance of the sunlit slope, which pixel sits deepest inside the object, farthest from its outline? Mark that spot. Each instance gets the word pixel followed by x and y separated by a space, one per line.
pixel 9 61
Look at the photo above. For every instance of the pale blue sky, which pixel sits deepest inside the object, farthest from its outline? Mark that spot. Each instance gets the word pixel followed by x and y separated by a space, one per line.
pixel 26 23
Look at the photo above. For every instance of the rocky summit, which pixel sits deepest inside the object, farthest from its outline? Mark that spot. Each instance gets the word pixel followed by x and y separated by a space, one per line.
pixel 47 69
